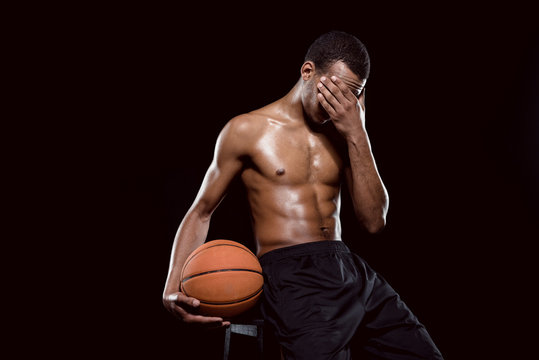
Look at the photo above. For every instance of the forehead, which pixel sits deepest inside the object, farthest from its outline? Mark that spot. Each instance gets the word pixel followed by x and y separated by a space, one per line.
pixel 342 71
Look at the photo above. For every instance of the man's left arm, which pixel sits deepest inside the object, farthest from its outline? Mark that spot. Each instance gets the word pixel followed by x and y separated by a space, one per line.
pixel 369 195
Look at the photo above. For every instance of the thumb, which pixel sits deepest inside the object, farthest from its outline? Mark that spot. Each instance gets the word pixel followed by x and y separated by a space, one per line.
pixel 195 302
pixel 191 301
pixel 180 298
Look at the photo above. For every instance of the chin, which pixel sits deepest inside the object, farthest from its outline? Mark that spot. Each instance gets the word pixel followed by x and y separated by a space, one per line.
pixel 322 118
pixel 320 122
pixel 318 116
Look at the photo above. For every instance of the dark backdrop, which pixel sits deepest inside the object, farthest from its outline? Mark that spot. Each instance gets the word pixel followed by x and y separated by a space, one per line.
pixel 451 114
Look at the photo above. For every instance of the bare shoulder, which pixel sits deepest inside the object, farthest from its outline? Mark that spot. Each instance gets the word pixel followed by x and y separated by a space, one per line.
pixel 246 125
pixel 246 128
pixel 240 134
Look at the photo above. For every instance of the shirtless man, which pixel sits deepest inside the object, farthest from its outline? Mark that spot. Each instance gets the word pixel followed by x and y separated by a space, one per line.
pixel 292 156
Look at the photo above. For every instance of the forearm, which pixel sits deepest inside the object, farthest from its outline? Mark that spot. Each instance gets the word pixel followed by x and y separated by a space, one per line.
pixel 347 113
pixel 369 195
pixel 191 233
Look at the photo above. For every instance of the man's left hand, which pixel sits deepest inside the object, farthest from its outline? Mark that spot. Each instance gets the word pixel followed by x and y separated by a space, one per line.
pixel 345 110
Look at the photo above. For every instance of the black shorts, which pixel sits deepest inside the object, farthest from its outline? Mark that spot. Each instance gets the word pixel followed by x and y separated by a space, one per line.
pixel 320 299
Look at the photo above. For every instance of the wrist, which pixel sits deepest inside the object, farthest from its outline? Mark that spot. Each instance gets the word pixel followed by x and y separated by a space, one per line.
pixel 171 287
pixel 356 137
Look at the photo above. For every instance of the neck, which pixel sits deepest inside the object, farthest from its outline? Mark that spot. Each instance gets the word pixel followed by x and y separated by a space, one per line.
pixel 291 106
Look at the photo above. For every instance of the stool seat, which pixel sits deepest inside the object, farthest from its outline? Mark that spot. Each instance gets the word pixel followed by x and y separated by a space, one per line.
pixel 254 329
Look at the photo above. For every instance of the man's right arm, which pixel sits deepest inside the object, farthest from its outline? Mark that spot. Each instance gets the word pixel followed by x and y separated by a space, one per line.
pixel 227 163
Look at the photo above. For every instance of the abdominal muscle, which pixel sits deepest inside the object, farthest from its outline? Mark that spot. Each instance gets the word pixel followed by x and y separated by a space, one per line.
pixel 289 215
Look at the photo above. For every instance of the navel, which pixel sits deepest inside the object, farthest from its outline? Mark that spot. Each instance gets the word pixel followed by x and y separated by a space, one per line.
pixel 280 171
pixel 326 233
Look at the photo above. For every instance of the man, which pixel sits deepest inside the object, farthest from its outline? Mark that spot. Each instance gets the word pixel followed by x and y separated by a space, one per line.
pixel 292 156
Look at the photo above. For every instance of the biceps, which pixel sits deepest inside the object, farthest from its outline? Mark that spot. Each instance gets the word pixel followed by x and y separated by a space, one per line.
pixel 215 185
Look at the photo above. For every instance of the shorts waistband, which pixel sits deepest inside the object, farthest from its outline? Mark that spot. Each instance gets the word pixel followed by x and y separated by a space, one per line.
pixel 309 248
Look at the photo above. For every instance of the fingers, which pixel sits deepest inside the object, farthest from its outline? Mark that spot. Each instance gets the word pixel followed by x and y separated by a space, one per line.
pixel 326 105
pixel 208 322
pixel 181 298
pixel 331 92
pixel 200 319
pixel 334 95
pixel 182 307
pixel 343 90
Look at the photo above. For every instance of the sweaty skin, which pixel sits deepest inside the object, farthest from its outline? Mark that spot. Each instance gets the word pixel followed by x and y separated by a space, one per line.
pixel 292 181
pixel 292 156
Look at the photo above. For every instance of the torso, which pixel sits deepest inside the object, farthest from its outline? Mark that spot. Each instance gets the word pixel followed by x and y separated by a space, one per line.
pixel 292 178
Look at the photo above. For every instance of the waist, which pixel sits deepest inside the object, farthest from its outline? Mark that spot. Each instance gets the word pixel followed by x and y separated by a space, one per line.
pixel 308 248
pixel 276 232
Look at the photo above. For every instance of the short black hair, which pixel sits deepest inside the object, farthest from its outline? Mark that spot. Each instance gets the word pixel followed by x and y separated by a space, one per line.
pixel 337 45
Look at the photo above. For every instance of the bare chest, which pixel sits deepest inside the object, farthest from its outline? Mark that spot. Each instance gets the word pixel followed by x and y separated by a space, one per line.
pixel 297 157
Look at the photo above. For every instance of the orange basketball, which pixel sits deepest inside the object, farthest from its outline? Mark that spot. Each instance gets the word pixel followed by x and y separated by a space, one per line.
pixel 225 276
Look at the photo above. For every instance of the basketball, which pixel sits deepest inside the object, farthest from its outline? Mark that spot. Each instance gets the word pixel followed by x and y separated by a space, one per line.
pixel 225 276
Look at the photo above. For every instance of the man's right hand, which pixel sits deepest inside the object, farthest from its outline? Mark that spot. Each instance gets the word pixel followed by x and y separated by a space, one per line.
pixel 180 306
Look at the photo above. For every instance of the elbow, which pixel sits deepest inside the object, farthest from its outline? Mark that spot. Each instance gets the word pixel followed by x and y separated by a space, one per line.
pixel 201 212
pixel 376 225
pixel 375 220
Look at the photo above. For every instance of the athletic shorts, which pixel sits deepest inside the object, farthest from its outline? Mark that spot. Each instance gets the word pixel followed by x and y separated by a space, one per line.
pixel 321 300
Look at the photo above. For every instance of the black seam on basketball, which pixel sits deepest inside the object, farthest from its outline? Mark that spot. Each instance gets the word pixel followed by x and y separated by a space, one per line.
pixel 246 250
pixel 233 302
pixel 216 271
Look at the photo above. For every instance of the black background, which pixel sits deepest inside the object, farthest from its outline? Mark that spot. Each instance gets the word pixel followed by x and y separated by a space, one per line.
pixel 141 93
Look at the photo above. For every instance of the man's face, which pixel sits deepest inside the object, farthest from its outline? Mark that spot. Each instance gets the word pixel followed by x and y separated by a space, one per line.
pixel 311 105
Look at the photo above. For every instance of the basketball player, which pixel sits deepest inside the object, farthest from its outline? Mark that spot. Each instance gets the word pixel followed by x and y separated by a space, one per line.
pixel 292 156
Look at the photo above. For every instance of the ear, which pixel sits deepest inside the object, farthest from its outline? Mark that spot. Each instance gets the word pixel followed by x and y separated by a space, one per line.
pixel 307 70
